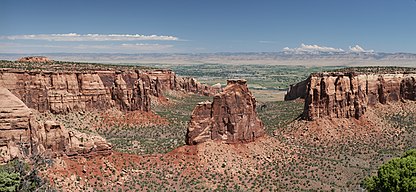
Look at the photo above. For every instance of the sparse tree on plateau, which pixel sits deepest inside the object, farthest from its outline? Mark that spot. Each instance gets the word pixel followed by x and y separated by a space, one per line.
pixel 399 174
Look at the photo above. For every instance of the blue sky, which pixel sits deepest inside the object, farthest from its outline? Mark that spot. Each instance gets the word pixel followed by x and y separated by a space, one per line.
pixel 193 26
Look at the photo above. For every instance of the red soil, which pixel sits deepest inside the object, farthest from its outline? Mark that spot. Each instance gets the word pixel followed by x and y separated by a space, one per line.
pixel 131 118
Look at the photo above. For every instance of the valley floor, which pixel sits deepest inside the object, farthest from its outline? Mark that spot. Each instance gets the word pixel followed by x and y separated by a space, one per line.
pixel 296 155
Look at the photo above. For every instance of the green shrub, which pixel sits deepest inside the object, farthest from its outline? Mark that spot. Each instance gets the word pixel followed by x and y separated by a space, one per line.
pixel 9 181
pixel 399 174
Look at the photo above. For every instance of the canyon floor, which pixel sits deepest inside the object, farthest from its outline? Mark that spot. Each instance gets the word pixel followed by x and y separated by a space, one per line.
pixel 295 155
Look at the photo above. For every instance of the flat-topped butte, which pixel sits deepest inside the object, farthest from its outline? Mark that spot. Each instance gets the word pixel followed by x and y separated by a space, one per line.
pixel 62 66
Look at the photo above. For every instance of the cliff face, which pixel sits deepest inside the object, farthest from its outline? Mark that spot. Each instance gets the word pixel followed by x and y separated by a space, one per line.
pixel 162 80
pixel 231 117
pixel 296 91
pixel 21 135
pixel 61 92
pixel 408 88
pixel 345 95
pixel 14 124
pixel 70 87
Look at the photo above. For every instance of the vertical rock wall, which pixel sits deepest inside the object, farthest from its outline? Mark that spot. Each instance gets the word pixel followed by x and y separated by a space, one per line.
pixel 231 117
pixel 61 92
pixel 22 136
pixel 345 95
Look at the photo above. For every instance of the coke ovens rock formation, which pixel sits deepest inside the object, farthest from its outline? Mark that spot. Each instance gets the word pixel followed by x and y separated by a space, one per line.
pixel 231 117
pixel 161 80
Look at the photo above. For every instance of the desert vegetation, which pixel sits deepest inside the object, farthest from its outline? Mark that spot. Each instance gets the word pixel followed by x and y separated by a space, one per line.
pixel 397 174
pixel 293 157
pixel 149 152
pixel 18 175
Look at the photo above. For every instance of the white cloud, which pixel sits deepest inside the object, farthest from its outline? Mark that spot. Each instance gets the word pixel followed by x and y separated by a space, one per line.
pixel 84 48
pixel 316 49
pixel 312 49
pixel 90 37
pixel 359 49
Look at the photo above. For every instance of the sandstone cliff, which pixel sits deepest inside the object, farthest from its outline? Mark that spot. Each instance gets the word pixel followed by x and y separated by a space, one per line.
pixel 22 136
pixel 345 95
pixel 231 117
pixel 60 92
pixel 14 125
pixel 296 91
pixel 168 80
pixel 64 91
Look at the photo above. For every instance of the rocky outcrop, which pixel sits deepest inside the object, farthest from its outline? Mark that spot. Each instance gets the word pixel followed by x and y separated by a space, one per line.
pixel 51 138
pixel 162 80
pixel 189 84
pixel 61 92
pixel 14 125
pixel 230 118
pixel 408 88
pixel 35 59
pixel 345 95
pixel 296 91
pixel 22 136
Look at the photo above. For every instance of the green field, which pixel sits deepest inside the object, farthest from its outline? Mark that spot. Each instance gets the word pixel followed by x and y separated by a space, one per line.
pixel 262 77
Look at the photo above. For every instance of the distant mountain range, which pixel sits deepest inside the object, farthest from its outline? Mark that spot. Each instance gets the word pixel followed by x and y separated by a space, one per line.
pixel 272 58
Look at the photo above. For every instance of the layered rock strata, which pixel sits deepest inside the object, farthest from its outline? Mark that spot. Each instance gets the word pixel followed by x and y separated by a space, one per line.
pixel 231 117
pixel 61 92
pixel 22 136
pixel 345 95
pixel 168 80
pixel 14 125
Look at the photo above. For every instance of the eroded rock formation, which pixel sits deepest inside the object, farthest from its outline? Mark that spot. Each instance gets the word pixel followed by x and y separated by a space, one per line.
pixel 14 125
pixel 231 117
pixel 296 91
pixel 345 95
pixel 61 92
pixel 22 136
pixel 168 80
pixel 34 59
pixel 61 87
